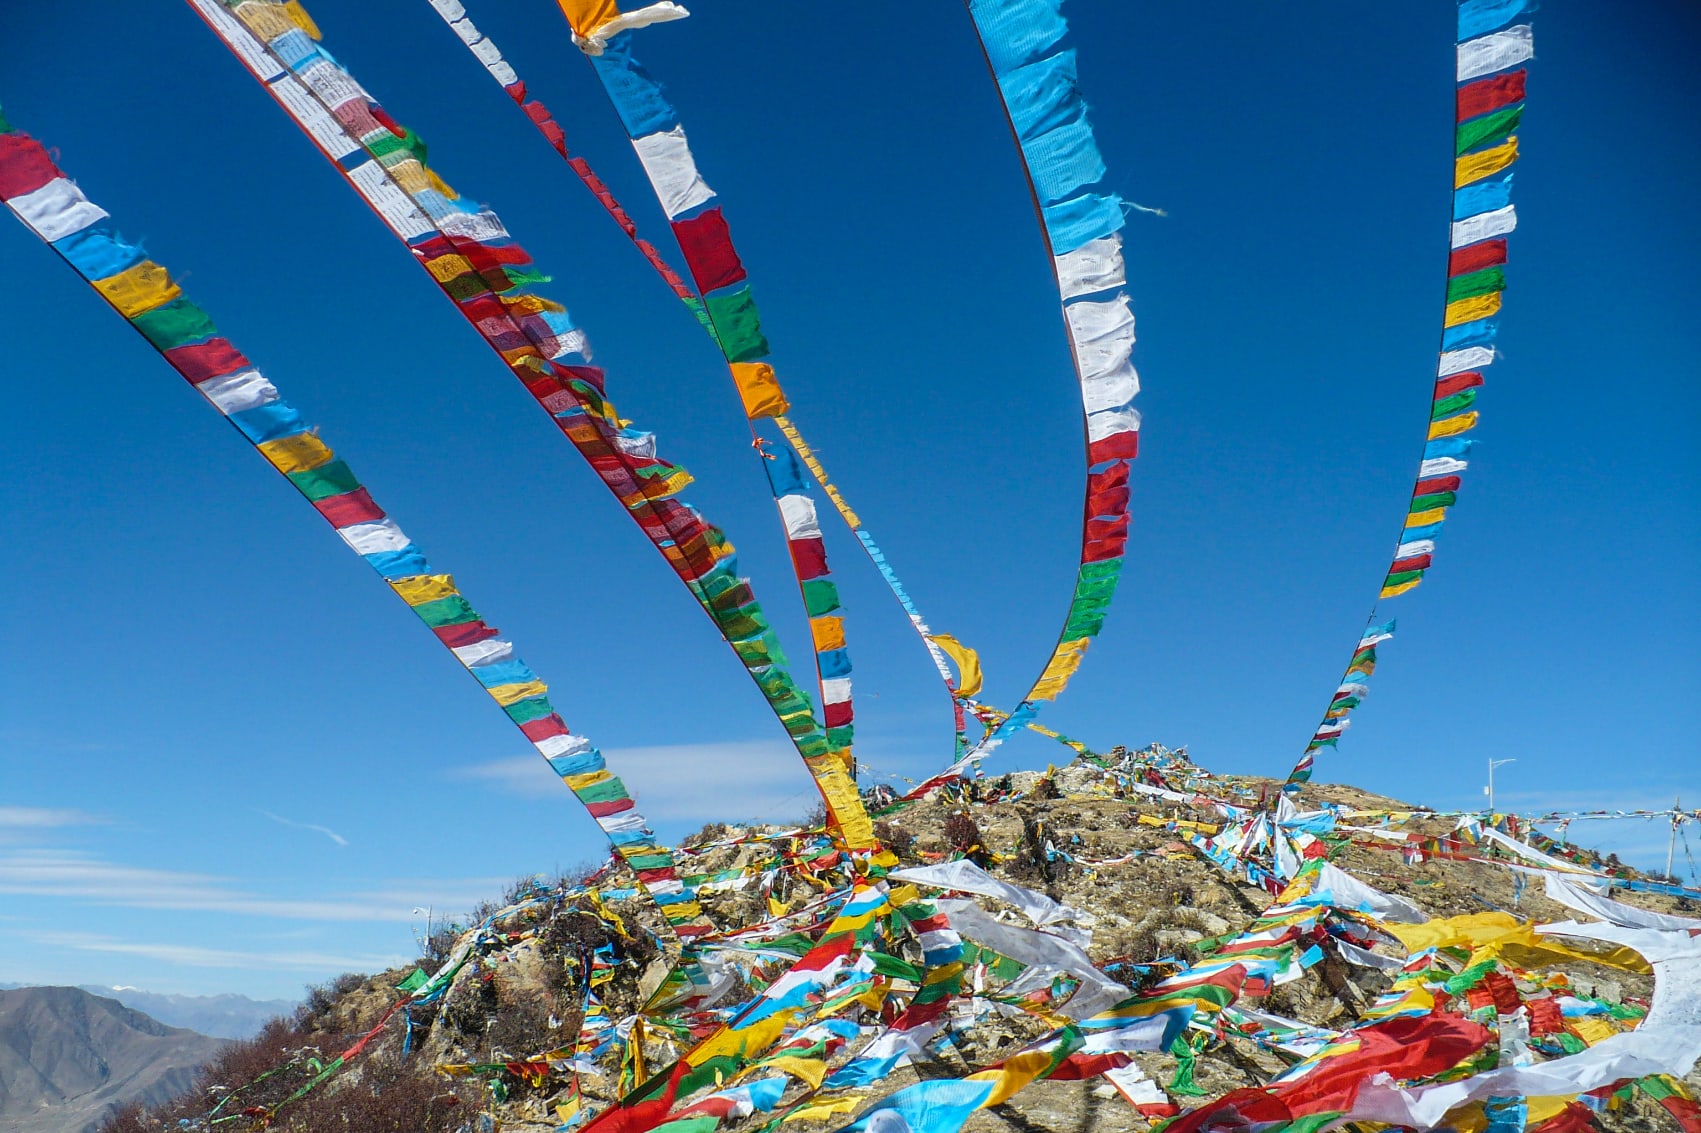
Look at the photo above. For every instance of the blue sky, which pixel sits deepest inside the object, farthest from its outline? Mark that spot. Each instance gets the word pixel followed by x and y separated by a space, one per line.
pixel 233 761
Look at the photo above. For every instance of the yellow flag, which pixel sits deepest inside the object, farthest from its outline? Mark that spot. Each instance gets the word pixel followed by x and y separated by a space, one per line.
pixel 446 267
pixel 1476 166
pixel 760 389
pixel 1592 1028
pixel 828 632
pixel 810 1070
pixel 968 662
pixel 824 1110
pixel 1453 426
pixel 1064 662
pixel 1425 518
pixel 302 452
pixel 298 16
pixel 516 692
pixel 1472 309
pixel 138 290
pixel 423 588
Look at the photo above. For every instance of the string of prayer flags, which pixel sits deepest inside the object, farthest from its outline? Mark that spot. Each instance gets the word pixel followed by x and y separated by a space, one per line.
pixel 820 596
pixel 1490 77
pixel 725 309
pixel 865 538
pixel 1039 86
pixel 706 242
pixel 486 52
pixel 1349 694
pixel 486 274
pixel 144 293
pixel 1488 107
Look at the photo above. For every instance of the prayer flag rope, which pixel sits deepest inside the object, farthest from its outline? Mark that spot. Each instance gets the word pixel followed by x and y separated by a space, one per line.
pixel 144 293
pixel 484 272
pixel 726 310
pixel 1039 88
pixel 707 244
pixel 1490 72
pixel 485 51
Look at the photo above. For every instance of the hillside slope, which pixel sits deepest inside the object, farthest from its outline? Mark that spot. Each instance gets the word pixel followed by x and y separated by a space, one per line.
pixel 69 1058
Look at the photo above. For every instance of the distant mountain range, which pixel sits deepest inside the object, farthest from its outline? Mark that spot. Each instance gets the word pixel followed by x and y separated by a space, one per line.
pixel 67 1058
pixel 222 1016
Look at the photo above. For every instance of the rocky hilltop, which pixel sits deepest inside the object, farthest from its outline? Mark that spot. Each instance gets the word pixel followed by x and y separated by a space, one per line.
pixel 1294 939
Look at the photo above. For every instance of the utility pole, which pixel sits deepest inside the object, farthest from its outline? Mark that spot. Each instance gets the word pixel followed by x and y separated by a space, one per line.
pixel 1676 817
pixel 1489 790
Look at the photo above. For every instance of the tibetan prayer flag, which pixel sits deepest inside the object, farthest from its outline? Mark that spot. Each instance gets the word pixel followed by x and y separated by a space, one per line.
pixel 1485 164
pixel 809 557
pixel 708 249
pixel 1476 283
pixel 967 660
pixel 759 389
pixel 737 324
pixel 1485 96
pixel 1447 387
pixel 1453 426
pixel 1487 130
pixel 1488 253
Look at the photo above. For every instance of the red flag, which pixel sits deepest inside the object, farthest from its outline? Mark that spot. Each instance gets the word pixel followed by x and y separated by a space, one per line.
pixel 24 165
pixel 708 250
pixel 1475 257
pixel 213 358
pixel 1488 95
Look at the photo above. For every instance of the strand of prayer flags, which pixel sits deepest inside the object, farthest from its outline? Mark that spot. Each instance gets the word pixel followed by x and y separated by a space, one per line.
pixel 1490 76
pixel 703 235
pixel 728 315
pixel 484 272
pixel 714 262
pixel 486 52
pixel 145 294
pixel 1039 88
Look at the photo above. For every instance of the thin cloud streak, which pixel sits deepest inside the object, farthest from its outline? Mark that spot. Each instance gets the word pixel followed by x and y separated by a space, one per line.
pixel 81 876
pixel 721 781
pixel 325 830
pixel 44 818
pixel 197 956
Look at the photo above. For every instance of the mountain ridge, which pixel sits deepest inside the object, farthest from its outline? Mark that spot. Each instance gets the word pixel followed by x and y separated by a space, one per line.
pixel 68 1058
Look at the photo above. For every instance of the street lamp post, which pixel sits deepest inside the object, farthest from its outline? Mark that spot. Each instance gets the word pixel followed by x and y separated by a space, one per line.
pixel 1489 790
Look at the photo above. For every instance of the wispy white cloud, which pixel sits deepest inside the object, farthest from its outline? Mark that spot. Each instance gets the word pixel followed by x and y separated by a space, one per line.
pixel 198 956
pixel 724 781
pixel 43 818
pixel 325 830
pixel 76 875
pixel 1621 797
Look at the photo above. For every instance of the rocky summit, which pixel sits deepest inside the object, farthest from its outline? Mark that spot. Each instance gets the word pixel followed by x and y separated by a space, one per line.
pixel 1124 943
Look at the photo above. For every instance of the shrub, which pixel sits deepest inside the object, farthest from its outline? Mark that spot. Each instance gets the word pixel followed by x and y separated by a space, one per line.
pixel 384 1097
pixel 963 835
pixel 314 1012
pixel 894 838
pixel 1030 861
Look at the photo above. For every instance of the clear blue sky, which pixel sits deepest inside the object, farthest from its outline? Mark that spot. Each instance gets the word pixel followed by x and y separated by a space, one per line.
pixel 198 662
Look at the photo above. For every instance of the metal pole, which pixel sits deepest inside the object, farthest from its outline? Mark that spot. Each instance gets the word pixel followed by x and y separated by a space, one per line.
pixel 1671 846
